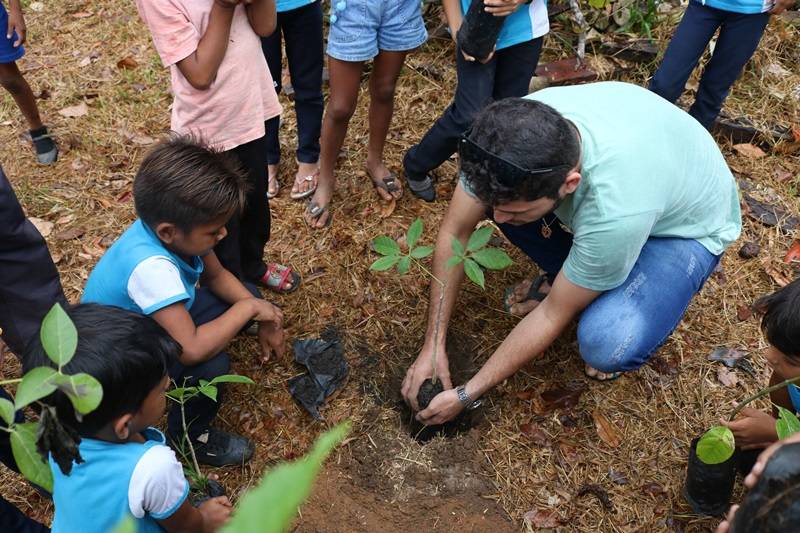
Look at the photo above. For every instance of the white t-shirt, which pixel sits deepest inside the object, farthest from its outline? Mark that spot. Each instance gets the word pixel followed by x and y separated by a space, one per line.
pixel 156 280
pixel 157 485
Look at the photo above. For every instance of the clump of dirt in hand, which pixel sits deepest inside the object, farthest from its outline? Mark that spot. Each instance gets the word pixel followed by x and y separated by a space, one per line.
pixel 427 392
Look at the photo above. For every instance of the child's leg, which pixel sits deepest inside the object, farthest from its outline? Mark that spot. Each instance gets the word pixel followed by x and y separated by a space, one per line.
pixel 738 39
pixel 685 49
pixel 302 29
pixel 476 82
pixel 11 79
pixel 515 68
pixel 271 46
pixel 382 83
pixel 345 79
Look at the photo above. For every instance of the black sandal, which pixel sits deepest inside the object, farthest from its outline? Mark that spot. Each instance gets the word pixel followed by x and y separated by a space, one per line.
pixel 389 184
pixel 533 292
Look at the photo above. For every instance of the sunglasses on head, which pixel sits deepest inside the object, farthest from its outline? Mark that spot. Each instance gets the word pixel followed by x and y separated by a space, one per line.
pixel 504 171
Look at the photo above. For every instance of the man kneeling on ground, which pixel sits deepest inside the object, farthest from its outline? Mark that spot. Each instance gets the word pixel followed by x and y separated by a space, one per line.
pixel 623 200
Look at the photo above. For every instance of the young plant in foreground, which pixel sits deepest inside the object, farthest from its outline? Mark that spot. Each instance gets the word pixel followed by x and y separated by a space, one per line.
pixel 181 395
pixel 475 257
pixel 60 340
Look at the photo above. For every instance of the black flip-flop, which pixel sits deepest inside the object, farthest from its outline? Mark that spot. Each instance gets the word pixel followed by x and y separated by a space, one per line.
pixel 388 184
pixel 533 292
pixel 316 211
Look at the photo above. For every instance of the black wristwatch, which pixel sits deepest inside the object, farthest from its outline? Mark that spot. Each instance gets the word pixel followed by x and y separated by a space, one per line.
pixel 465 400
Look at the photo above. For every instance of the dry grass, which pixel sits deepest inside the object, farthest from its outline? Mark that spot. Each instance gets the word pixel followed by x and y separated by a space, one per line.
pixel 656 413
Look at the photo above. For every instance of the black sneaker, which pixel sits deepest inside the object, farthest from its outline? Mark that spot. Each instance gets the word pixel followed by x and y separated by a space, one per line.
pixel 422 188
pixel 45 146
pixel 220 448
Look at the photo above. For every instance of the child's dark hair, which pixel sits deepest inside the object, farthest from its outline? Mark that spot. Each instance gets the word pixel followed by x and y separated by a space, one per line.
pixel 128 353
pixel 781 319
pixel 187 184
pixel 529 134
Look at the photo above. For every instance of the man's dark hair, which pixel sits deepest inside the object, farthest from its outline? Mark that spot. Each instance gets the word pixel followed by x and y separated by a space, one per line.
pixel 529 134
pixel 187 184
pixel 128 353
pixel 781 319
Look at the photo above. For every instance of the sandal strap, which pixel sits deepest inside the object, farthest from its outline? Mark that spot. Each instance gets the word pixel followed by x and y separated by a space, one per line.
pixel 41 137
pixel 273 268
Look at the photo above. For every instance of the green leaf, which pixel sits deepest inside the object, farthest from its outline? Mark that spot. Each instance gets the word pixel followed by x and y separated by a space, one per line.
pixel 492 258
pixel 30 463
pixel 474 272
pixel 458 248
pixel 272 505
pixel 479 238
pixel 404 265
pixel 787 424
pixel 83 390
pixel 716 445
pixel 414 233
pixel 126 525
pixel 59 336
pixel 385 263
pixel 210 391
pixel 180 393
pixel 421 251
pixel 230 378
pixel 598 4
pixel 35 385
pixel 453 261
pixel 386 245
pixel 7 411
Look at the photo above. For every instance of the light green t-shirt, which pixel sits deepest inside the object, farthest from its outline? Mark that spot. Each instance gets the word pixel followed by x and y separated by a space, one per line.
pixel 648 170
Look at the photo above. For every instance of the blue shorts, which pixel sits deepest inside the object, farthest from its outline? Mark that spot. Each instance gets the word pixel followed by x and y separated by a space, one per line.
pixel 8 54
pixel 360 29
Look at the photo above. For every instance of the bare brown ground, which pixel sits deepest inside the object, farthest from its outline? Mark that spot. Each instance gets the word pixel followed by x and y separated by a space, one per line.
pixel 381 479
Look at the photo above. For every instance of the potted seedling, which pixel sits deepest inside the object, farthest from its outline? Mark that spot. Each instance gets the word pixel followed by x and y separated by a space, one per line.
pixel 475 257
pixel 200 483
pixel 479 31
pixel 713 458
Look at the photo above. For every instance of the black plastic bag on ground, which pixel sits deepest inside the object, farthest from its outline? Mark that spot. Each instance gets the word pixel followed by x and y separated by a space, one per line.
pixel 327 370
pixel 773 506
pixel 708 488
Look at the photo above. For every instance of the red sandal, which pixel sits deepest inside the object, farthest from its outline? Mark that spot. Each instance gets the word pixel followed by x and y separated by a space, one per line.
pixel 277 275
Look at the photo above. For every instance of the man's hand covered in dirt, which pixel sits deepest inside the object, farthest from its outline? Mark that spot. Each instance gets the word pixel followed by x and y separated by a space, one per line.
pixel 16 23
pixel 443 408
pixel 421 370
pixel 752 478
pixel 215 511
pixel 753 429
pixel 501 8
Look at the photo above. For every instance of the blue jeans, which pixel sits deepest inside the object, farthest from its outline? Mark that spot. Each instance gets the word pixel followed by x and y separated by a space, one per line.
pixel 739 35
pixel 623 327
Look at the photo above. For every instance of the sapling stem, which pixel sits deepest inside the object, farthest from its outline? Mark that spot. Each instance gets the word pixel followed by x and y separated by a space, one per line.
pixel 189 441
pixel 10 381
pixel 763 392
pixel 442 285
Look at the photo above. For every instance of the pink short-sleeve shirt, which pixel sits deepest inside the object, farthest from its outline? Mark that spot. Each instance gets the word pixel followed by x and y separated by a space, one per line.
pixel 232 111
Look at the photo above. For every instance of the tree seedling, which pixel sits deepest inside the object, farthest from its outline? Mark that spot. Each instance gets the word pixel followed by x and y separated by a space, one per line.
pixel 60 340
pixel 475 257
pixel 181 395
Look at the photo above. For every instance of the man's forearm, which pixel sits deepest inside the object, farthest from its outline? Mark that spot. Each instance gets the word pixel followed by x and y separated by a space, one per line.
pixel 262 17
pixel 450 284
pixel 531 336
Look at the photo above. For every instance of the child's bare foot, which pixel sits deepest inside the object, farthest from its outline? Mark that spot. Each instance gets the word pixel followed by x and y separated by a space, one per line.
pixel 305 181
pixel 385 181
pixel 318 214
pixel 273 185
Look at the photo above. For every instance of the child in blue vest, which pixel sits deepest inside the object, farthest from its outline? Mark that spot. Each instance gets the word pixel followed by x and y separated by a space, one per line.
pixel 505 73
pixel 184 195
pixel 123 467
pixel 12 26
pixel 740 23
pixel 755 429
pixel 299 26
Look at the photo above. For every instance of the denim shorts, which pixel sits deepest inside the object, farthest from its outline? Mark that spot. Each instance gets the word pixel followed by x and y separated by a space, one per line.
pixel 8 54
pixel 359 29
